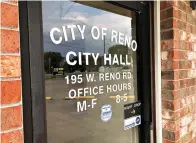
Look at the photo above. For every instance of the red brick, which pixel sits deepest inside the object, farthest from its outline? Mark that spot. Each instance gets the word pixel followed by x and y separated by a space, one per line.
pixel 183 83
pixel 192 46
pixel 167 105
pixel 183 45
pixel 179 14
pixel 168 141
pixel 163 5
pixel 167 4
pixel 171 105
pixel 189 100
pixel 170 75
pixel 183 74
pixel 183 55
pixel 12 137
pixel 166 35
pixel 9 15
pixel 193 140
pixel 180 25
pixel 176 34
pixel 192 90
pixel 189 37
pixel 166 14
pixel 170 94
pixel 175 23
pixel 169 44
pixel 193 29
pixel 177 104
pixel 169 65
pixel 190 19
pixel 187 2
pixel 173 136
pixel 185 64
pixel 10 41
pixel 184 111
pixel 174 116
pixel 186 120
pixel 188 28
pixel 168 114
pixel 182 35
pixel 183 131
pixel 10 91
pixel 187 138
pixel 184 92
pixel 192 125
pixel 192 82
pixel 11 117
pixel 166 24
pixel 194 110
pixel 10 66
pixel 171 125
pixel 174 54
pixel 169 84
pixel 181 5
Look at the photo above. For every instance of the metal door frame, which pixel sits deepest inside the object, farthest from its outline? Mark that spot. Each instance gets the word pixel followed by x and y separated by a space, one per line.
pixel 32 64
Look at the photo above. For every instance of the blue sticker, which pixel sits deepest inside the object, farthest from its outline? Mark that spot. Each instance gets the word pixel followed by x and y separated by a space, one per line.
pixel 106 113
pixel 132 122
pixel 138 120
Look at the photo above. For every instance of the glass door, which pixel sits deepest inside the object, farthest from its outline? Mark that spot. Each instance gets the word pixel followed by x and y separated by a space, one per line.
pixel 90 63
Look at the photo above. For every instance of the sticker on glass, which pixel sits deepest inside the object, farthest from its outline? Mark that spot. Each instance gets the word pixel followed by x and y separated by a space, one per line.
pixel 106 113
pixel 132 122
pixel 132 115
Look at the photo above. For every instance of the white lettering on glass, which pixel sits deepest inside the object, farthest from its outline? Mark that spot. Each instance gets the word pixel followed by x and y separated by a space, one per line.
pixel 114 36
pixel 81 30
pixel 93 30
pixel 96 34
pixel 52 35
pixel 64 32
pixel 72 30
pixel 81 107
pixel 80 58
pixel 93 102
pixel 68 58
pixel 121 38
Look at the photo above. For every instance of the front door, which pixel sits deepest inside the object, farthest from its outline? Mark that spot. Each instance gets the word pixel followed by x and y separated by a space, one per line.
pixel 96 72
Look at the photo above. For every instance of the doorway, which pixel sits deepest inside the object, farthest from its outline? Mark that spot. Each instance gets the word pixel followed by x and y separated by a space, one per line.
pixel 91 42
pixel 94 63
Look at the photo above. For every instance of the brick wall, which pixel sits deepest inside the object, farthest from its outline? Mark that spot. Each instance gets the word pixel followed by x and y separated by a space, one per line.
pixel 178 54
pixel 11 105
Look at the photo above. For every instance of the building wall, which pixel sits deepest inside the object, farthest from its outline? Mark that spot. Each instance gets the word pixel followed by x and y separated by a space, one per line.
pixel 11 105
pixel 178 62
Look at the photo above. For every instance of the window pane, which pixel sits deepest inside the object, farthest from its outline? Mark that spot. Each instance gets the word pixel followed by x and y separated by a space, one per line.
pixel 90 71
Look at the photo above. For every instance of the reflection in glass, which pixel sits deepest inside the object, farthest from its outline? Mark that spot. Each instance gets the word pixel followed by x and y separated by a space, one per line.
pixel 63 78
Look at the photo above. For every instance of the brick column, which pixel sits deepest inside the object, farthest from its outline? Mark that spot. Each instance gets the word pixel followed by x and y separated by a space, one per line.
pixel 178 54
pixel 11 104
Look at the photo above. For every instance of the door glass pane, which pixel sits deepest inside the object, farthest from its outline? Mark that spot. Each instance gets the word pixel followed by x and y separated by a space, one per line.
pixel 90 71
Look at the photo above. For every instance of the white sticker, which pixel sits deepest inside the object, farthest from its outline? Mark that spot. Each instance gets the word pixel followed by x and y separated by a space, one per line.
pixel 106 113
pixel 132 122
